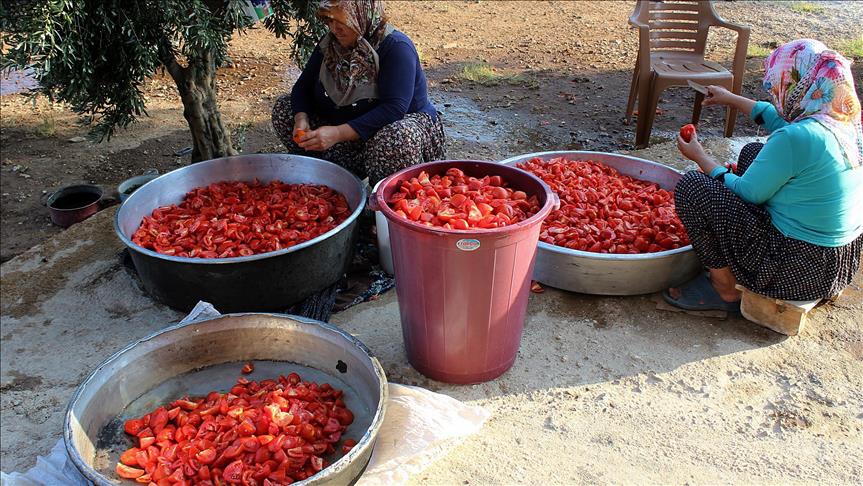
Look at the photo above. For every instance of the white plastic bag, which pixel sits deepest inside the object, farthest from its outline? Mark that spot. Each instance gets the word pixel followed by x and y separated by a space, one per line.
pixel 55 469
pixel 420 427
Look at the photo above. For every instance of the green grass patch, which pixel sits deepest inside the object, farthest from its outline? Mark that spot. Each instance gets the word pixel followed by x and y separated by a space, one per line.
pixel 47 128
pixel 807 7
pixel 485 74
pixel 852 48
pixel 757 51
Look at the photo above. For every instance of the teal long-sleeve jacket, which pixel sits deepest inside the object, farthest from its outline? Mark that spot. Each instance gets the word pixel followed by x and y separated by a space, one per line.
pixel 802 179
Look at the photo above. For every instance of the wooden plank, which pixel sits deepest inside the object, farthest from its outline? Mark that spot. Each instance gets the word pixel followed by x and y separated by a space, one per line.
pixel 785 317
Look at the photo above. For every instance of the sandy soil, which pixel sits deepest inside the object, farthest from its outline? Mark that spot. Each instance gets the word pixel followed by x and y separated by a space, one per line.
pixel 604 389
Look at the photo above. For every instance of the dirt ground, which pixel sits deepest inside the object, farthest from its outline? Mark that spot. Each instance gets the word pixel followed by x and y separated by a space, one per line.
pixel 604 390
pixel 564 70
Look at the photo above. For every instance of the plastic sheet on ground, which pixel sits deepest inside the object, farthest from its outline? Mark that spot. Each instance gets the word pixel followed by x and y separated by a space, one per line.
pixel 420 427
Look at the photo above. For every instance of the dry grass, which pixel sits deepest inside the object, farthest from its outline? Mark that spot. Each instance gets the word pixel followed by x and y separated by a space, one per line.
pixel 755 50
pixel 486 75
pixel 852 48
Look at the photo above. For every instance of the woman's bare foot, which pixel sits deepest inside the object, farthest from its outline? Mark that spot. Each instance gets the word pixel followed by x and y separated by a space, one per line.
pixel 725 284
pixel 722 280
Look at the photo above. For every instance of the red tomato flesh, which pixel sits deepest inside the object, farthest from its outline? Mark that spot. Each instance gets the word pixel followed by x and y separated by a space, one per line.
pixel 231 219
pixel 687 131
pixel 275 431
pixel 457 201
pixel 603 211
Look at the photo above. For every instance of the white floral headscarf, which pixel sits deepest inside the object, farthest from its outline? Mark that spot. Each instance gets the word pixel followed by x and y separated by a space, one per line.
pixel 808 80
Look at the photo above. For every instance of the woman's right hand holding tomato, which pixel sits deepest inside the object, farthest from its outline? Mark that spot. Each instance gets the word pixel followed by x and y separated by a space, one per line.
pixel 301 127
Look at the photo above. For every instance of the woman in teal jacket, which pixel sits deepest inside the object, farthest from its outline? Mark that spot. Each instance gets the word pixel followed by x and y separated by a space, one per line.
pixel 787 223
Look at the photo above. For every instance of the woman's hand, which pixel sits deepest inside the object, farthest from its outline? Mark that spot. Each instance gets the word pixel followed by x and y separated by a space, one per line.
pixel 717 95
pixel 301 127
pixel 321 139
pixel 693 151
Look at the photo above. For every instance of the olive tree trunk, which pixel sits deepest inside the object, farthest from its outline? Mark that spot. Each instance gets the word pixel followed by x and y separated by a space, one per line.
pixel 197 86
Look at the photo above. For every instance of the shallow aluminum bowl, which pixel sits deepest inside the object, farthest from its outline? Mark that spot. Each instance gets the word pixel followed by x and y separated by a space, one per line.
pixel 613 274
pixel 198 357
pixel 265 282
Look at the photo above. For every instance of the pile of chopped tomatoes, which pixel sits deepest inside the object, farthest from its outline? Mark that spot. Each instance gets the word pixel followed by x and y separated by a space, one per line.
pixel 456 201
pixel 602 211
pixel 272 432
pixel 230 219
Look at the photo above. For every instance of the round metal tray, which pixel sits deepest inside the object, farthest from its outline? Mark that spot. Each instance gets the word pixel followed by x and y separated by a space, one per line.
pixel 264 282
pixel 614 274
pixel 195 358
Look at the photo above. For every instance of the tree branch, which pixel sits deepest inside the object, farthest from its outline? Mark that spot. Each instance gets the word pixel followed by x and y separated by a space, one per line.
pixel 169 60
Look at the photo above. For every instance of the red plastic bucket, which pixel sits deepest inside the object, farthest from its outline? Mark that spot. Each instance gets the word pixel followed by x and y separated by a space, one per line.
pixel 463 294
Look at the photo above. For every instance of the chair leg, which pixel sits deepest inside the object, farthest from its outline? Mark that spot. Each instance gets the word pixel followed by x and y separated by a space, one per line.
pixel 735 86
pixel 730 120
pixel 655 94
pixel 696 110
pixel 646 105
pixel 633 93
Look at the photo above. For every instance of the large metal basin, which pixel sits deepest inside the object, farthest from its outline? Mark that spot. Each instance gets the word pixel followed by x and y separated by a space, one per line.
pixel 198 357
pixel 613 274
pixel 265 282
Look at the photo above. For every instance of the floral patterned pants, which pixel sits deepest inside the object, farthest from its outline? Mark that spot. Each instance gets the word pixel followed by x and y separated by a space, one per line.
pixel 415 139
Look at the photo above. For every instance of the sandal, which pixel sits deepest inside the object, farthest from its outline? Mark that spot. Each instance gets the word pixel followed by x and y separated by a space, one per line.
pixel 699 295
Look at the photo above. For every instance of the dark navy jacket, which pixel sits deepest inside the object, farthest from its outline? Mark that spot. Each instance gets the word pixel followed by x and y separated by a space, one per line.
pixel 402 89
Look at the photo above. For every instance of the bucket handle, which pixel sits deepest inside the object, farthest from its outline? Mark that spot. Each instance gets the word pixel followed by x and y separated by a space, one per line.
pixel 45 197
pixel 555 201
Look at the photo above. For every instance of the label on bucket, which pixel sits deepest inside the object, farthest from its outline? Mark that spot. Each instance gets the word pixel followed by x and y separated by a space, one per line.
pixel 467 244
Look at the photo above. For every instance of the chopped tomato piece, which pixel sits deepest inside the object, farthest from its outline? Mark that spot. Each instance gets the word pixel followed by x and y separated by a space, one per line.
pixel 127 472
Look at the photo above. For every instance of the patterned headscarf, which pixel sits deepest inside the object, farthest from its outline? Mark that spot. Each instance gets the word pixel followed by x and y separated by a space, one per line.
pixel 808 80
pixel 350 74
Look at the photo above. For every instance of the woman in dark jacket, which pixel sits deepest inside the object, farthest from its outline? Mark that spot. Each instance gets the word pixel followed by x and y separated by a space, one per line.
pixel 362 100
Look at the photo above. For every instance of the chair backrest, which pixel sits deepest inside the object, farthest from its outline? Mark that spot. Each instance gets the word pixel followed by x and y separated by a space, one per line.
pixel 676 26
